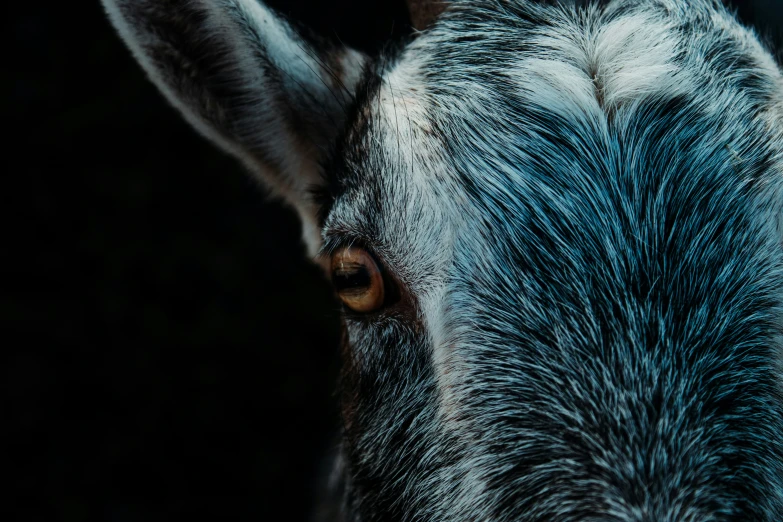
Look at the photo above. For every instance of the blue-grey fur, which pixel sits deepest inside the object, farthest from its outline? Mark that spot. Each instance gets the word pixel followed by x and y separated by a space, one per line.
pixel 583 209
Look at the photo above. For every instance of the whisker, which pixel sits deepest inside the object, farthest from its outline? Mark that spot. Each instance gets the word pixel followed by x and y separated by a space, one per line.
pixel 328 88
pixel 410 131
pixel 396 123
pixel 328 69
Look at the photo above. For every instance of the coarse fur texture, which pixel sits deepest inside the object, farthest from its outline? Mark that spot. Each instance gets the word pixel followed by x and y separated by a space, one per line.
pixel 582 209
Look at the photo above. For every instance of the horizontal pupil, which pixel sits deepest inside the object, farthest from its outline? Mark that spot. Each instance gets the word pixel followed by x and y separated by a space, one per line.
pixel 357 277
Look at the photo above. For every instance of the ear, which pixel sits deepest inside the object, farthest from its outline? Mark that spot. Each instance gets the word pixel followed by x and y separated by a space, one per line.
pixel 247 81
pixel 424 12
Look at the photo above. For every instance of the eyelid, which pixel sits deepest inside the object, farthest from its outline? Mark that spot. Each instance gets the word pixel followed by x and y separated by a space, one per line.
pixel 335 240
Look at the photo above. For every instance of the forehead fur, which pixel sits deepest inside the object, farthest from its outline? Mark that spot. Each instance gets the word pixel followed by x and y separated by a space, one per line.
pixel 500 90
pixel 587 205
pixel 487 65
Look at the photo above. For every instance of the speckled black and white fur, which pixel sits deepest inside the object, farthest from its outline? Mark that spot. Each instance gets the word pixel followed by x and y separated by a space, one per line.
pixel 582 208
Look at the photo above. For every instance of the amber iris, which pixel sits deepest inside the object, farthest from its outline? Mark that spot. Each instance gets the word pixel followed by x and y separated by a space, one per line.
pixel 357 279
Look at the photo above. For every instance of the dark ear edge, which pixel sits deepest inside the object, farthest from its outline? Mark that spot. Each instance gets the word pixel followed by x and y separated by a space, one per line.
pixel 424 12
pixel 246 80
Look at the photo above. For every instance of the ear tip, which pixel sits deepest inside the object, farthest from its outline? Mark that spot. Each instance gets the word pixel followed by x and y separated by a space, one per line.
pixel 113 10
pixel 111 6
pixel 424 12
pixel 125 10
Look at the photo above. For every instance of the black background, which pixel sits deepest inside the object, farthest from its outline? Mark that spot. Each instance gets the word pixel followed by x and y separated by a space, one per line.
pixel 168 352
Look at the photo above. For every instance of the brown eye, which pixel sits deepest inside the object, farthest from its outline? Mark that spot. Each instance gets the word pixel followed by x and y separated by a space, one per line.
pixel 358 280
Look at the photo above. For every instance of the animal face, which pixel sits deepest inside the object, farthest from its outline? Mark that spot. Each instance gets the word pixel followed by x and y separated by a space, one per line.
pixel 558 235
